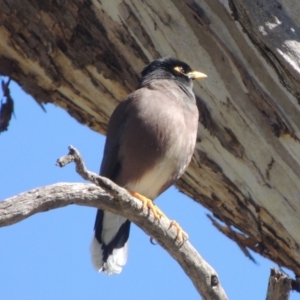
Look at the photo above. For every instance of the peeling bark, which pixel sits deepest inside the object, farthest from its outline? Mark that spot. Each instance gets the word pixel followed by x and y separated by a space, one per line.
pixel 85 56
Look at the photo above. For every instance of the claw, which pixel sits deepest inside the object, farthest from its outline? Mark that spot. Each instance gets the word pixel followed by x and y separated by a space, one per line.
pixel 181 235
pixel 152 241
pixel 148 203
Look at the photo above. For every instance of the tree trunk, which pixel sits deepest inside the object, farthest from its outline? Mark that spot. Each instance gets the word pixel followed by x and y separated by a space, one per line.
pixel 86 55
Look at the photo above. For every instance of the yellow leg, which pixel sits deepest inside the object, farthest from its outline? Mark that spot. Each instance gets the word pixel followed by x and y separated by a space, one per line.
pixel 181 235
pixel 148 203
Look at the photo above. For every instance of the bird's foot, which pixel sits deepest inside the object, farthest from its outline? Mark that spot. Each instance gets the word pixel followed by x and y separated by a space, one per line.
pixel 181 236
pixel 149 204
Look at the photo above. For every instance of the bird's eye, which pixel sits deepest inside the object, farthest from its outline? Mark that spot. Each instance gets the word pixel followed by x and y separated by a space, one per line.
pixel 179 69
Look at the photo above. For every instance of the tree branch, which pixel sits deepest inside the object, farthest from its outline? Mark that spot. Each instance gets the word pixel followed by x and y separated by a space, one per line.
pixel 109 196
pixel 279 286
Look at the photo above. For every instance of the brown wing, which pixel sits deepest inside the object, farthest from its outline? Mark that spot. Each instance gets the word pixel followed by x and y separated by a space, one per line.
pixel 110 165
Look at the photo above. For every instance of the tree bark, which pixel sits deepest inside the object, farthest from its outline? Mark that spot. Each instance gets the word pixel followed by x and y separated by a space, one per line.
pixel 279 286
pixel 85 56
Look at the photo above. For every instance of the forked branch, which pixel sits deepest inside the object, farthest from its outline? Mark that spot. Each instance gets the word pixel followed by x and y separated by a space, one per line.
pixel 105 194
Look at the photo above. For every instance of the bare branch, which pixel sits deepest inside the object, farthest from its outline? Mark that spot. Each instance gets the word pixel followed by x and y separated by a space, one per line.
pixel 117 200
pixel 279 286
pixel 106 184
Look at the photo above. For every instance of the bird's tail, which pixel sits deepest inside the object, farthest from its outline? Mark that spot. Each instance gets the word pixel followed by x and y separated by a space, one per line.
pixel 109 248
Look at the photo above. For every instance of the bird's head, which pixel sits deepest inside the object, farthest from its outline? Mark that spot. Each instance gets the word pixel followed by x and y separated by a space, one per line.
pixel 171 68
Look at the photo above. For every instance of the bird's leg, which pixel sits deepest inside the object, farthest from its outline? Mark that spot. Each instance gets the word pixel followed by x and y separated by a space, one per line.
pixel 181 236
pixel 149 203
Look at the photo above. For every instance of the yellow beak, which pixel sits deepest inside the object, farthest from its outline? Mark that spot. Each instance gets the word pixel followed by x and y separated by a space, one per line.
pixel 196 75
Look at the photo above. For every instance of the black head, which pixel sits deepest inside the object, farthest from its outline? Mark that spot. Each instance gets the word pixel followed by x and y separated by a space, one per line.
pixel 170 68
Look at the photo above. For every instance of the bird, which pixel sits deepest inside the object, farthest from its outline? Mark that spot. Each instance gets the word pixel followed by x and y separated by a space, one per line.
pixel 150 141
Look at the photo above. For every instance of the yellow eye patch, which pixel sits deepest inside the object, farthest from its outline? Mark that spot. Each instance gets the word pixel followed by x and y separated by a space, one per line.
pixel 179 69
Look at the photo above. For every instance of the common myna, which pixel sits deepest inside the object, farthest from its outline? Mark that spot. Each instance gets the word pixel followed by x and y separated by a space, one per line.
pixel 150 141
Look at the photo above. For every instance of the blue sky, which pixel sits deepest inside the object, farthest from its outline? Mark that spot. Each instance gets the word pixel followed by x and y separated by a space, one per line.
pixel 47 255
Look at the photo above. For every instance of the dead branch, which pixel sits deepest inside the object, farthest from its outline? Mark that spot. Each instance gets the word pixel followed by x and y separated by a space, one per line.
pixel 279 286
pixel 107 195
